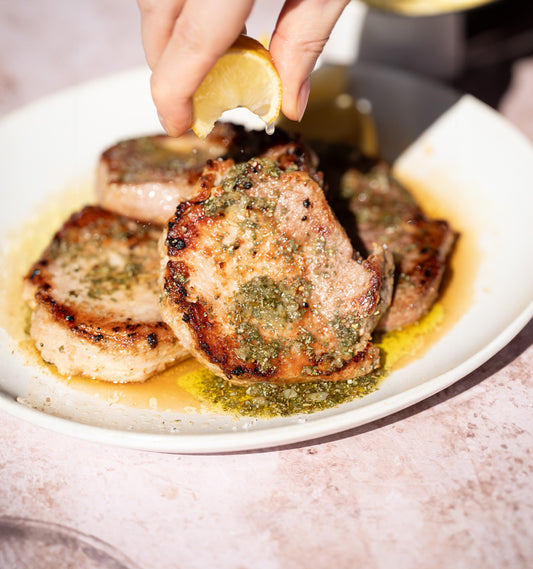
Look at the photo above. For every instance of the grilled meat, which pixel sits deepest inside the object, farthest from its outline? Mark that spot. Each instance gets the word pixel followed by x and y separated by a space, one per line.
pixel 95 300
pixel 387 214
pixel 260 281
pixel 145 178
pixel 294 156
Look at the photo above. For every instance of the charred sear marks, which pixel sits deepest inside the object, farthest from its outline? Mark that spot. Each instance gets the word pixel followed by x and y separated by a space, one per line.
pixel 104 331
pixel 386 213
pixel 95 296
pixel 261 277
pixel 227 351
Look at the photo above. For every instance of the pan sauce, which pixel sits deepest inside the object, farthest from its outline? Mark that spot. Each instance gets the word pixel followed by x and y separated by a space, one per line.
pixel 188 387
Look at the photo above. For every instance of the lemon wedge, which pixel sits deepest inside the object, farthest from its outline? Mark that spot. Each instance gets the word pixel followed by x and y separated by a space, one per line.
pixel 245 76
pixel 425 7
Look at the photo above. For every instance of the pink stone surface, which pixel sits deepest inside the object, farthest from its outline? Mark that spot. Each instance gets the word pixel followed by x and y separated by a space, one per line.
pixel 446 483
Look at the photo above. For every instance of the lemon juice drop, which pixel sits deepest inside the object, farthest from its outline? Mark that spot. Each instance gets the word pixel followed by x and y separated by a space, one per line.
pixel 270 129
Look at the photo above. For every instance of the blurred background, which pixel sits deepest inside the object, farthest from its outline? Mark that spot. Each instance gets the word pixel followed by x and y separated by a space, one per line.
pixel 475 51
pixel 496 36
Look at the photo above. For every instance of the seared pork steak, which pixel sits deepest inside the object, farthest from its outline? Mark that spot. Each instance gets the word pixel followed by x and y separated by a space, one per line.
pixel 146 177
pixel 260 281
pixel 387 214
pixel 95 300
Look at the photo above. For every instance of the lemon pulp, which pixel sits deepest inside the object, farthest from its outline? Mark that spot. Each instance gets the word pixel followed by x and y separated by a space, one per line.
pixel 245 76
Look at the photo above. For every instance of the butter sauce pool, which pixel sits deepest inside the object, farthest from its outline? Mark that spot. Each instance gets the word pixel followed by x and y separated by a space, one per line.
pixel 188 387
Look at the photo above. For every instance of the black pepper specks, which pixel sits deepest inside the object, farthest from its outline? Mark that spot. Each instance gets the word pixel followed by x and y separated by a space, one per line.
pixel 186 317
pixel 176 242
pixel 152 340
pixel 306 203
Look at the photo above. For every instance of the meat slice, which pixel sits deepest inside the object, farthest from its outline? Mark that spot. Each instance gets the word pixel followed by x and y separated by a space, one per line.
pixel 260 281
pixel 145 178
pixel 387 214
pixel 95 299
pixel 294 155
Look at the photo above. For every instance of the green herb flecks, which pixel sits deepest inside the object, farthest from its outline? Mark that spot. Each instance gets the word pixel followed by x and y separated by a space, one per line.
pixel 105 279
pixel 305 341
pixel 346 329
pixel 267 400
pixel 236 185
pixel 272 302
pixel 256 349
pixel 347 332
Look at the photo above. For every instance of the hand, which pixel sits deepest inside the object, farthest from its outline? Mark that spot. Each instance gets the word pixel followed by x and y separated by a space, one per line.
pixel 184 38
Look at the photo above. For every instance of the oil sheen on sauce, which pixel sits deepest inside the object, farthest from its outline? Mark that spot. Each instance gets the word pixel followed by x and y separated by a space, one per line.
pixel 187 386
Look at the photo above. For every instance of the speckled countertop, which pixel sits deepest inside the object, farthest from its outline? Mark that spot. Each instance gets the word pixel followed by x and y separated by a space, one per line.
pixel 446 483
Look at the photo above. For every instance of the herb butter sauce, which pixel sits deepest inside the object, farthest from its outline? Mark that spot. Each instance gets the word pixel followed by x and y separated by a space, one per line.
pixel 187 386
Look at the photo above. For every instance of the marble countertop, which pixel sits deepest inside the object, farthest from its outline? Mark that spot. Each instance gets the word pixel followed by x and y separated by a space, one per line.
pixel 445 483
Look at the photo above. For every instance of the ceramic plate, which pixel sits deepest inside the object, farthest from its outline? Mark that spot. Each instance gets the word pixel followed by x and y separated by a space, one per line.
pixel 34 543
pixel 463 160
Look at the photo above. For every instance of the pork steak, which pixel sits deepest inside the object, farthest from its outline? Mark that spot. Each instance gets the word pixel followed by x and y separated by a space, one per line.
pixel 95 299
pixel 146 177
pixel 261 283
pixel 387 214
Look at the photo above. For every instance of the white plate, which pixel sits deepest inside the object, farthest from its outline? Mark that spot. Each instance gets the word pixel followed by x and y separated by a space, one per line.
pixel 476 166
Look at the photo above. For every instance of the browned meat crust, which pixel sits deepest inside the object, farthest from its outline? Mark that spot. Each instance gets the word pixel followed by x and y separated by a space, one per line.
pixel 260 281
pixel 95 297
pixel 387 214
pixel 294 156
pixel 145 178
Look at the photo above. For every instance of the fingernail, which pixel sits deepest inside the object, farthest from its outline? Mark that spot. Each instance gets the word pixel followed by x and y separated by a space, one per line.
pixel 162 121
pixel 303 96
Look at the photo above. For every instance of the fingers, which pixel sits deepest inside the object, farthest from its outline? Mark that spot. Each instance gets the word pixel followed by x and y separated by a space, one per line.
pixel 158 18
pixel 200 35
pixel 302 30
pixel 184 38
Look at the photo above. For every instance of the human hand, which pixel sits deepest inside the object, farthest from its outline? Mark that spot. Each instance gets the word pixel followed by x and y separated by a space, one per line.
pixel 183 39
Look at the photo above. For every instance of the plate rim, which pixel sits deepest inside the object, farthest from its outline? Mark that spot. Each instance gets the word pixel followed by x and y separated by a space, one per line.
pixel 268 437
